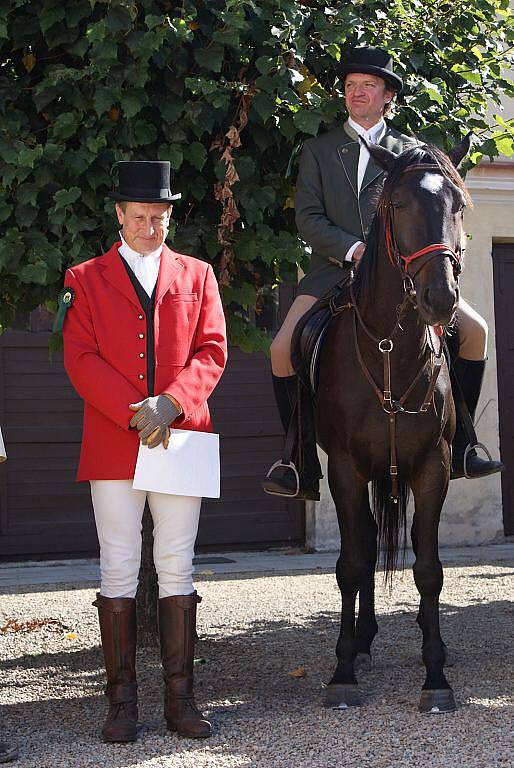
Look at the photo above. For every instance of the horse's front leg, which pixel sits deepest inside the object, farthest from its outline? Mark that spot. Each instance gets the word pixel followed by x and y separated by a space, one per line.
pixel 347 491
pixel 429 488
pixel 367 627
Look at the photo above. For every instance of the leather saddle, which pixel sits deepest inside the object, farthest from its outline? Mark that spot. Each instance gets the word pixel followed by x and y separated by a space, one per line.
pixel 308 335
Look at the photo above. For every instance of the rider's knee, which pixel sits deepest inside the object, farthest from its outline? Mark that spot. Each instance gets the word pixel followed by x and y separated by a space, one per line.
pixel 280 351
pixel 474 339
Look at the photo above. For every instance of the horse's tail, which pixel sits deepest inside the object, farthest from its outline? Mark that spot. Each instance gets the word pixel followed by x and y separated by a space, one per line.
pixel 391 518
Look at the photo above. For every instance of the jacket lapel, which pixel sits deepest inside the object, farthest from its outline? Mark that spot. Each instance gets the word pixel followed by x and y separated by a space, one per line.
pixel 115 273
pixel 171 266
pixel 373 170
pixel 348 153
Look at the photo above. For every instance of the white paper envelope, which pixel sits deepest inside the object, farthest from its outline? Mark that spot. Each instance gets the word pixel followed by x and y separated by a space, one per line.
pixel 3 453
pixel 190 466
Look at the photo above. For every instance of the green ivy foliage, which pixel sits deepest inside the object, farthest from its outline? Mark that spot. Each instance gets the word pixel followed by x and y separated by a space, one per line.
pixel 85 83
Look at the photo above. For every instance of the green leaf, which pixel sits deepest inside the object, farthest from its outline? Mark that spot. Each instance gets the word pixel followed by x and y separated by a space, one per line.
pixel 106 51
pixel 5 211
pixel 210 58
pixel 50 16
pixel 171 109
pixel 28 157
pixel 118 19
pixel 77 12
pixel 196 154
pixel 266 63
pixel 26 194
pixel 153 21
pixel 66 125
pixel 145 132
pixel 133 102
pixel 307 121
pixel 103 100
pixel 245 295
pixel 97 32
pixel 505 146
pixel 506 125
pixel 26 215
pixel 264 105
pixel 175 156
pixel 65 197
pixel 227 36
pixel 34 273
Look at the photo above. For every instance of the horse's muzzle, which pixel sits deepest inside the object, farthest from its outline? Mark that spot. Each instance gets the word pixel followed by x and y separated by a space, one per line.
pixel 437 304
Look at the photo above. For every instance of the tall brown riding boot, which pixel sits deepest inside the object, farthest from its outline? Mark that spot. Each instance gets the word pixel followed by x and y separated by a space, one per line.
pixel 177 629
pixel 117 618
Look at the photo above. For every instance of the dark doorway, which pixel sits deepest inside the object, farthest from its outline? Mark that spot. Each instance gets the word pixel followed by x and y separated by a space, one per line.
pixel 503 264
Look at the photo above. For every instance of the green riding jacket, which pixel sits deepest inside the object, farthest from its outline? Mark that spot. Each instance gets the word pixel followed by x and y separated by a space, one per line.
pixel 331 215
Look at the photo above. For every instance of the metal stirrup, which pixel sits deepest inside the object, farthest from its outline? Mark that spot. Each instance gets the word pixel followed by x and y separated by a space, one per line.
pixel 470 448
pixel 288 465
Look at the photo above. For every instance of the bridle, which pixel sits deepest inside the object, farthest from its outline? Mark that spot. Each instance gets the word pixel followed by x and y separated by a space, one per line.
pixel 391 406
pixel 434 249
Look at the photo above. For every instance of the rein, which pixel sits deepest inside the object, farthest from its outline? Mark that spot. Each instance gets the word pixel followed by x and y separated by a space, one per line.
pixel 385 346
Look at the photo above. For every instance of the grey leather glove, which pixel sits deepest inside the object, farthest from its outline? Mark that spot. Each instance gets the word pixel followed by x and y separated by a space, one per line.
pixel 152 419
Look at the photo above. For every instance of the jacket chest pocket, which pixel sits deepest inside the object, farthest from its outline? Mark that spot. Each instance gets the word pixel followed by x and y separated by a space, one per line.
pixel 175 325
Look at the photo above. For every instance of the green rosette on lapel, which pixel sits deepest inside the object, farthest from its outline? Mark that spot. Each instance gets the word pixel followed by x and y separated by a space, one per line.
pixel 64 302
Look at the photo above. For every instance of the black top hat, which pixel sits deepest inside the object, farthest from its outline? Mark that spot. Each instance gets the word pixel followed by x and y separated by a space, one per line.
pixel 371 61
pixel 144 181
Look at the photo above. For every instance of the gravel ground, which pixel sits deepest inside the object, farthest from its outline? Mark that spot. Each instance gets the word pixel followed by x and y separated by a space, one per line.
pixel 254 632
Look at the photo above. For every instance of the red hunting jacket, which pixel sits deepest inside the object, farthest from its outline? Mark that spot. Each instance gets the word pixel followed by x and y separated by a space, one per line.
pixel 105 352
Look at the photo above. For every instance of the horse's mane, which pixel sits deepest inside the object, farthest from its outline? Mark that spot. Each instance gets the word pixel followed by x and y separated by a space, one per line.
pixel 364 283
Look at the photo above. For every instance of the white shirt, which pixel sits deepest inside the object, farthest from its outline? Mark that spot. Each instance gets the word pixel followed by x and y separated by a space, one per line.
pixel 145 268
pixel 372 135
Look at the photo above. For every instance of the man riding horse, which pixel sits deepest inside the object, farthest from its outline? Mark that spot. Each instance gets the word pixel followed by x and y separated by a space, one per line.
pixel 337 191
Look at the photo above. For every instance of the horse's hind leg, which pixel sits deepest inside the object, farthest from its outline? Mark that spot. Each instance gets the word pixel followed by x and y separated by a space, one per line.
pixel 367 626
pixel 351 571
pixel 429 489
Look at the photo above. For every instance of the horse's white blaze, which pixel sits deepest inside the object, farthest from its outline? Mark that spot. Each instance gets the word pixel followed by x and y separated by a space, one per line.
pixel 432 182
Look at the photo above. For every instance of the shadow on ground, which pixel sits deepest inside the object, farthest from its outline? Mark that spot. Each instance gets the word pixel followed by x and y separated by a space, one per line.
pixel 246 688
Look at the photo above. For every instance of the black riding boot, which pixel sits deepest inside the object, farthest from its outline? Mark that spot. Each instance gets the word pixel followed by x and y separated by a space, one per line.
pixel 470 374
pixel 282 480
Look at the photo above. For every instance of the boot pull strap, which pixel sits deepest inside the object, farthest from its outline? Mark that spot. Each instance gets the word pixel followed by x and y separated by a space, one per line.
pixel 186 601
pixel 113 604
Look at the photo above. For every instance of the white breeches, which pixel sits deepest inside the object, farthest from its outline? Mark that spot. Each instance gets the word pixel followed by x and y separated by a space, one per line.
pixel 118 515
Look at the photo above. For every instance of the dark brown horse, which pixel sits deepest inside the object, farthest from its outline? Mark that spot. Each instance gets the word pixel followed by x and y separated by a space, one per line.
pixel 385 412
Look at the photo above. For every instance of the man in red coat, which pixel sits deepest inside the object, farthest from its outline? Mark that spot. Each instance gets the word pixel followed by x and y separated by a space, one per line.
pixel 144 346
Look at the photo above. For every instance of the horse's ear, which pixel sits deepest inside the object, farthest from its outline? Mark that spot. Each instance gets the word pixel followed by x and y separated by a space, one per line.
pixel 460 150
pixel 384 157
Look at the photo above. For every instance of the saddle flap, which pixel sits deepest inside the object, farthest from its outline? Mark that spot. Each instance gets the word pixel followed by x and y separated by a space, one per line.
pixel 306 343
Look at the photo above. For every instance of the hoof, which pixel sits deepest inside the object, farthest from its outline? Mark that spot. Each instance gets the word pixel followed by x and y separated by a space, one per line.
pixel 362 662
pixel 341 696
pixel 437 702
